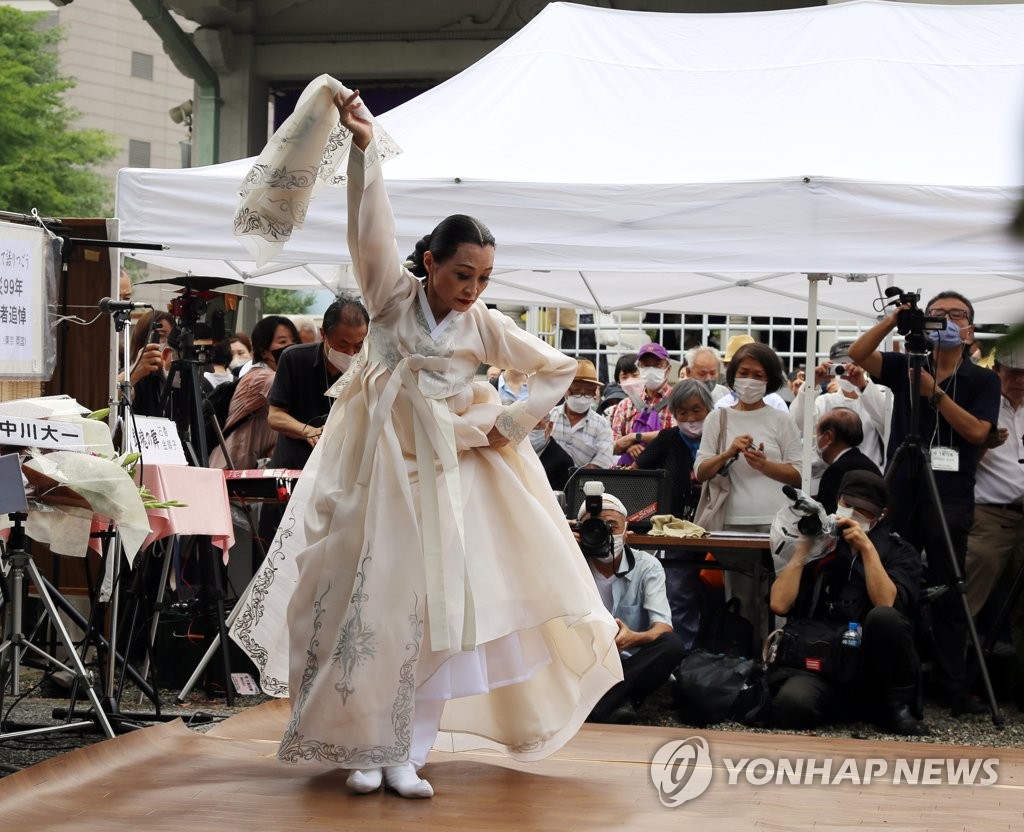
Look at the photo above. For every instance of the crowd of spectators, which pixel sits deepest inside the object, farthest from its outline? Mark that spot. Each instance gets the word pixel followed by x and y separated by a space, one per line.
pixel 725 417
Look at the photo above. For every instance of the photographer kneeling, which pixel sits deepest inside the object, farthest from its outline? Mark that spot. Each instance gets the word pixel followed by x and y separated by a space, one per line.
pixel 632 587
pixel 822 673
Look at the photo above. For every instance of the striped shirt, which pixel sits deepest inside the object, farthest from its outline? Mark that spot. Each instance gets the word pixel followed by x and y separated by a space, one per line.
pixel 588 442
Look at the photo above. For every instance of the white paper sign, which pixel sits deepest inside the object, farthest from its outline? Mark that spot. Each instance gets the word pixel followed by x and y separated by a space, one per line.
pixel 159 441
pixel 22 322
pixel 39 433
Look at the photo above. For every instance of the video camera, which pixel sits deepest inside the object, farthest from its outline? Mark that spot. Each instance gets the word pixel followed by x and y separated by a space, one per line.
pixel 196 334
pixel 595 533
pixel 912 323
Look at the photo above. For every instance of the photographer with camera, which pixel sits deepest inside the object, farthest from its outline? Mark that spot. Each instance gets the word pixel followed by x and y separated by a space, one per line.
pixel 871 401
pixel 958 407
pixel 632 586
pixel 825 668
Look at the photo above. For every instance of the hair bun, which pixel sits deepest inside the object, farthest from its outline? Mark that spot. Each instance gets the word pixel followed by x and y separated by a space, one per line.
pixel 415 261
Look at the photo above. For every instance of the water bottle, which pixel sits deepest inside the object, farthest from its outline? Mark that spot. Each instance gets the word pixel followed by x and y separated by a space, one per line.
pixel 851 637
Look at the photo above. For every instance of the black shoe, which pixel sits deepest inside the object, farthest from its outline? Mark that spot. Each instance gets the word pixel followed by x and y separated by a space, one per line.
pixel 968 706
pixel 899 720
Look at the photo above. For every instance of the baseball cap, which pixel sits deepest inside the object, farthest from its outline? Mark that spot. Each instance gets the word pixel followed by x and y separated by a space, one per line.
pixel 652 349
pixel 840 352
pixel 864 489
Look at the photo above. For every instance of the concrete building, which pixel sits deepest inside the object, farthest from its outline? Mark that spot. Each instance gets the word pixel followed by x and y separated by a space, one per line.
pixel 126 83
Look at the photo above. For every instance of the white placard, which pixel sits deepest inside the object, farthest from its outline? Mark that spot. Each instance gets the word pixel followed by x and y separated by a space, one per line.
pixel 22 301
pixel 40 433
pixel 159 441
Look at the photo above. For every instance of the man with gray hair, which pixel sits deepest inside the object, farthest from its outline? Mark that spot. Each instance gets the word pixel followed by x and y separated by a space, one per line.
pixel 632 587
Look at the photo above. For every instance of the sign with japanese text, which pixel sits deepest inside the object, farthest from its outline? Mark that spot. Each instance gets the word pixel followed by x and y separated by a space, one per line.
pixel 159 441
pixel 41 433
pixel 22 301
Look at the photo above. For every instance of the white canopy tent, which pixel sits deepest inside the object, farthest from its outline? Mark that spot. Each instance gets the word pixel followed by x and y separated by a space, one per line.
pixel 629 160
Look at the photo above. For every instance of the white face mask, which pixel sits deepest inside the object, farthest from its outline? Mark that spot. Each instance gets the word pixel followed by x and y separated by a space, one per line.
pixel 851 513
pixel 632 386
pixel 617 543
pixel 339 360
pixel 538 438
pixel 819 451
pixel 692 429
pixel 749 390
pixel 579 404
pixel 848 386
pixel 653 377
pixel 236 363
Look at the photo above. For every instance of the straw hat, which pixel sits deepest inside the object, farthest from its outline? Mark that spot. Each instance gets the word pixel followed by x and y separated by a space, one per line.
pixel 586 371
pixel 735 342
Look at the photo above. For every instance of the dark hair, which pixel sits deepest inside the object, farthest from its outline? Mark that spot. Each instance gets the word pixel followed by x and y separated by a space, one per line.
pixel 263 334
pixel 221 353
pixel 763 355
pixel 845 423
pixel 243 339
pixel 444 241
pixel 347 310
pixel 147 323
pixel 625 364
pixel 956 296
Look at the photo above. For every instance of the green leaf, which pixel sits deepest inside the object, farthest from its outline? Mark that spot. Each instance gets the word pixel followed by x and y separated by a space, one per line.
pixel 45 161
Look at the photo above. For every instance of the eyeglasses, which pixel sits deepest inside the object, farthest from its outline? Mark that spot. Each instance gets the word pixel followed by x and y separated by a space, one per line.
pixel 952 314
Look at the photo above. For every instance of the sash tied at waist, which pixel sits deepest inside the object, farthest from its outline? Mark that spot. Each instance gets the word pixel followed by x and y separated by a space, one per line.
pixel 434 436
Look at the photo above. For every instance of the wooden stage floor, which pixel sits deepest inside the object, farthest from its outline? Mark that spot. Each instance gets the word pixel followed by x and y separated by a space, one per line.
pixel 170 778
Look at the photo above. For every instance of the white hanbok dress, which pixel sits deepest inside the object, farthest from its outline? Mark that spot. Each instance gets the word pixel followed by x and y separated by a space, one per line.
pixel 434 567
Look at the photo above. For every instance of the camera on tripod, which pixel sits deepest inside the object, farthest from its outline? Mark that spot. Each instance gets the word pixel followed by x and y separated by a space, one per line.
pixel 595 533
pixel 196 335
pixel 912 323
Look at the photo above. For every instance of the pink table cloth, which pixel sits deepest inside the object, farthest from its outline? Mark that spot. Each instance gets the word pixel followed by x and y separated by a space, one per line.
pixel 206 512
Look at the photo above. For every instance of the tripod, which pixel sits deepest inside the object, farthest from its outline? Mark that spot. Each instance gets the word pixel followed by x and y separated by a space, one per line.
pixel 21 566
pixel 910 449
pixel 184 378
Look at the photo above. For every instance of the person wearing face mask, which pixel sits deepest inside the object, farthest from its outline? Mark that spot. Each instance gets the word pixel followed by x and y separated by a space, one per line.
pixel 871 401
pixel 632 586
pixel 298 404
pixel 248 435
pixel 958 408
pixel 838 446
pixel 674 450
pixel 241 354
pixel 872 578
pixel 558 465
pixel 639 417
pixel 577 427
pixel 761 447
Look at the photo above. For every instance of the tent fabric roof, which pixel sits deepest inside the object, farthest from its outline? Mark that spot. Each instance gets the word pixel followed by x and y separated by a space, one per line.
pixel 618 155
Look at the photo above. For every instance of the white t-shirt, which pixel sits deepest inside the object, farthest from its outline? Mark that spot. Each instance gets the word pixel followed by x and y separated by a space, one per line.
pixel 755 498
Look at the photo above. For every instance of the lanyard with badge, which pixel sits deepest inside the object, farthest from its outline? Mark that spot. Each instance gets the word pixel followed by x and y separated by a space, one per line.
pixel 945 457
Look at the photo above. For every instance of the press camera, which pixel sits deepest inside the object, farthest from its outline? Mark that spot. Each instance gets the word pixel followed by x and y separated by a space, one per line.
pixel 595 533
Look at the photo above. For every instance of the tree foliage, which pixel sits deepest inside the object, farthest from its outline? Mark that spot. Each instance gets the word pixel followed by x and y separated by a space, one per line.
pixel 287 302
pixel 44 162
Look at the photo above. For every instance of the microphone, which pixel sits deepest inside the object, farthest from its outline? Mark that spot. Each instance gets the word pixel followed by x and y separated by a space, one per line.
pixel 110 306
pixel 800 500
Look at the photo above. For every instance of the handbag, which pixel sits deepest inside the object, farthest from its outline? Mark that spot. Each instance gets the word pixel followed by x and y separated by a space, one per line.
pixel 714 494
pixel 713 687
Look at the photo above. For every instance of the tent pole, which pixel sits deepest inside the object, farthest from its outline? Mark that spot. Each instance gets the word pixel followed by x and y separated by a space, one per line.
pixel 810 388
